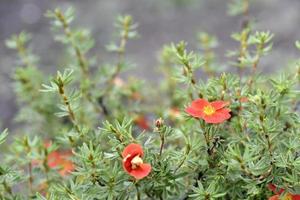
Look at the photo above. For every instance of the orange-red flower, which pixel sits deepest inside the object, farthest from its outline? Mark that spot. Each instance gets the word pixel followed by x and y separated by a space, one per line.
pixel 133 163
pixel 141 121
pixel 61 161
pixel 136 96
pixel 58 160
pixel 212 112
pixel 244 99
pixel 118 82
pixel 174 113
pixel 278 194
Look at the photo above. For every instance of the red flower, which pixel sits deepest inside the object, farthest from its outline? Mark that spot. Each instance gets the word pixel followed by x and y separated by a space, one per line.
pixel 244 99
pixel 118 82
pixel 141 121
pixel 212 112
pixel 133 163
pixel 61 160
pixel 278 193
pixel 174 113
pixel 275 197
pixel 136 96
pixel 58 159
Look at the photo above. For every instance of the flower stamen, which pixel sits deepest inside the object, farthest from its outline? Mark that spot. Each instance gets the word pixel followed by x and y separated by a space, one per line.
pixel 136 161
pixel 209 110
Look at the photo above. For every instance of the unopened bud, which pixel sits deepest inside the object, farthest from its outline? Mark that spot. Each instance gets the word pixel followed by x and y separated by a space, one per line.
pixel 159 123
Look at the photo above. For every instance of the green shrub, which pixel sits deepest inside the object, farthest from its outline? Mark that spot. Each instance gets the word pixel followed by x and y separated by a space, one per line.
pixel 90 134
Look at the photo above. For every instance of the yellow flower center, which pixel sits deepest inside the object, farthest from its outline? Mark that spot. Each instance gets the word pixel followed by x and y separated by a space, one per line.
pixel 209 110
pixel 136 161
pixel 288 197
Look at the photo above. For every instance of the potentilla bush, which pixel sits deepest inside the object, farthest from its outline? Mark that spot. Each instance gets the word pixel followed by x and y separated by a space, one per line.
pixel 89 133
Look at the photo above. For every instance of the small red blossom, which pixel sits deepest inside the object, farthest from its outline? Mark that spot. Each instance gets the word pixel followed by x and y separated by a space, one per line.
pixel 211 112
pixel 118 82
pixel 244 99
pixel 174 113
pixel 133 163
pixel 274 197
pixel 141 121
pixel 278 194
pixel 136 96
pixel 58 160
pixel 61 160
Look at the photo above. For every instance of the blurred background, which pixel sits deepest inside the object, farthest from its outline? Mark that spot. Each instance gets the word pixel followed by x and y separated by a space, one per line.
pixel 160 22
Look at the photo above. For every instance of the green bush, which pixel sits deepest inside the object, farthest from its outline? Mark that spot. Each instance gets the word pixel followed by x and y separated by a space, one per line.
pixel 89 133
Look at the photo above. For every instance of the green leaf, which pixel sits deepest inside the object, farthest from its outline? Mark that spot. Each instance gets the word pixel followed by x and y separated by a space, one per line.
pixel 3 136
pixel 297 44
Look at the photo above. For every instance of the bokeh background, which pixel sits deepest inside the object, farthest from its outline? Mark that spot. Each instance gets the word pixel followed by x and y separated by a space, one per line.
pixel 160 22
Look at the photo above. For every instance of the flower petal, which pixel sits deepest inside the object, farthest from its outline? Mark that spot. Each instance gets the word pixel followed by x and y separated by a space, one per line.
pixel 199 104
pixel 196 108
pixel 67 167
pixel 133 149
pixel 274 189
pixel 219 104
pixel 54 159
pixel 275 197
pixel 61 161
pixel 141 121
pixel 296 197
pixel 218 117
pixel 194 112
pixel 127 163
pixel 142 171
pixel 244 99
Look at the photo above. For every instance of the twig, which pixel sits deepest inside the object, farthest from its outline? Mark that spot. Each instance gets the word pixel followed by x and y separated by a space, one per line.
pixel 162 138
pixel 30 181
pixel 187 151
pixel 81 59
pixel 138 194
pixel 71 115
pixel 120 60
pixel 244 26
pixel 255 63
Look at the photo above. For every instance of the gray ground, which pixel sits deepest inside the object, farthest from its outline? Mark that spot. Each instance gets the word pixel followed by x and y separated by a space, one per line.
pixel 161 21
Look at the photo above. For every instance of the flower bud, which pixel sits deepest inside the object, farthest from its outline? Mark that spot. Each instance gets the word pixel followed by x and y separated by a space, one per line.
pixel 159 123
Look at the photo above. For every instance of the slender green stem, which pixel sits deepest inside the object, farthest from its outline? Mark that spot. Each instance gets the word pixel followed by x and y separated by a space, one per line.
pixel 187 151
pixel 67 104
pixel 120 60
pixel 162 138
pixel 30 178
pixel 255 63
pixel 81 59
pixel 244 34
pixel 46 166
pixel 138 194
pixel 80 56
pixel 245 14
pixel 30 181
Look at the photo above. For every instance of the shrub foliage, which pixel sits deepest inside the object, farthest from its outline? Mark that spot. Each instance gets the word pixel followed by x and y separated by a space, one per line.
pixel 71 130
